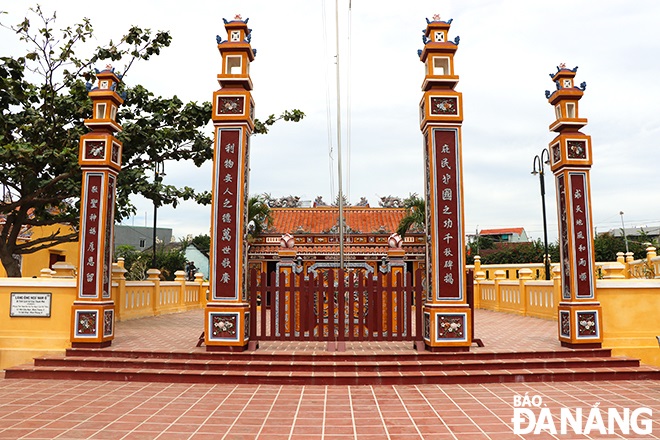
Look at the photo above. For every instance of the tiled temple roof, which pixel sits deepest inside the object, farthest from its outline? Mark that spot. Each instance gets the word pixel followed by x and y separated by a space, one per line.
pixel 320 220
pixel 316 232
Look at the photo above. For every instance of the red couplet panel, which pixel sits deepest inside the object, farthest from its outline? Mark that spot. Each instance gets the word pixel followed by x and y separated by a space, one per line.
pixel 226 219
pixel 448 227
pixel 582 262
pixel 91 229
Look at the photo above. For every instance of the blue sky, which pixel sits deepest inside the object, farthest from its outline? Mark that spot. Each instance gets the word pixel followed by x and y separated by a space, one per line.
pixel 506 52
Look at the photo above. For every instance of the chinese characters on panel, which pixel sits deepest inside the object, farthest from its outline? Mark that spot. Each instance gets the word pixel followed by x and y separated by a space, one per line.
pixel 448 209
pixel 227 239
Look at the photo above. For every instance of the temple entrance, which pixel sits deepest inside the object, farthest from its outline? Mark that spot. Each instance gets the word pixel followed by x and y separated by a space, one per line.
pixel 333 304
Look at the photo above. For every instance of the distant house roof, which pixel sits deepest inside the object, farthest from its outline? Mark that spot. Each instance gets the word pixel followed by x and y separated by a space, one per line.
pixel 322 220
pixel 651 231
pixel 502 231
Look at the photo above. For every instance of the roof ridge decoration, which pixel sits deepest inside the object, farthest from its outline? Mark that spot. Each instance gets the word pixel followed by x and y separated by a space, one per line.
pixel 335 229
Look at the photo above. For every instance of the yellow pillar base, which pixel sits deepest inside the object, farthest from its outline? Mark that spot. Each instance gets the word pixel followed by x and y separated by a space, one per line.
pixel 580 325
pixel 226 326
pixel 447 327
pixel 93 324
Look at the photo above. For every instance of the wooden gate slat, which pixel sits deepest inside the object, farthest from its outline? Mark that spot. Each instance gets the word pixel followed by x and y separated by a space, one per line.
pixel 293 304
pixel 400 307
pixel 341 306
pixel 330 297
pixel 253 305
pixel 302 306
pixel 419 323
pixel 408 298
pixel 352 306
pixel 318 304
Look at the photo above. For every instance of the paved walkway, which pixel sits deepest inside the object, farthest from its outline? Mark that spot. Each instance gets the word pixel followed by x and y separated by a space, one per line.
pixel 43 409
pixel 180 332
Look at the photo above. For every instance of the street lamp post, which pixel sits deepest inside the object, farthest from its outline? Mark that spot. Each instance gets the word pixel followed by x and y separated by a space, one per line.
pixel 623 229
pixel 539 160
pixel 159 172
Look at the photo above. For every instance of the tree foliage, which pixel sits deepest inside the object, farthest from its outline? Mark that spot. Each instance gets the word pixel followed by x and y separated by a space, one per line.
pixel 43 103
pixel 259 218
pixel 202 242
pixel 606 246
pixel 512 253
pixel 415 218
pixel 168 261
pixel 42 121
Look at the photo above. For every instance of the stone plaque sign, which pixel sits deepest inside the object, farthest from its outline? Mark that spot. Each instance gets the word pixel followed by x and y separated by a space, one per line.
pixel 30 304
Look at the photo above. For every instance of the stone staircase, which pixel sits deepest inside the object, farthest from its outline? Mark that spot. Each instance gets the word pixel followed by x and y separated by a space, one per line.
pixel 335 368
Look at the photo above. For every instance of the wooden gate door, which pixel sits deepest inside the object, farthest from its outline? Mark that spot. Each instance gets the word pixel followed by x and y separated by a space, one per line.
pixel 336 306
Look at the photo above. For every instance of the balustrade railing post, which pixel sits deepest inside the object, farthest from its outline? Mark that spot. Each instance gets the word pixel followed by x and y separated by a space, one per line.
pixel 500 275
pixel 201 290
pixel 180 277
pixel 153 275
pixel 119 292
pixel 524 275
pixel 479 276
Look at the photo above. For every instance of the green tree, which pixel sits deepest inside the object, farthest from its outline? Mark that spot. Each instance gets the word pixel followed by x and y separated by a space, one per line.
pixel 41 122
pixel 607 245
pixel 259 218
pixel 168 260
pixel 202 242
pixel 128 253
pixel 514 253
pixel 415 218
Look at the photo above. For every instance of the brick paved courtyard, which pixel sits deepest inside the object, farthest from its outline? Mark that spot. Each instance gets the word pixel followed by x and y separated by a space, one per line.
pixel 48 409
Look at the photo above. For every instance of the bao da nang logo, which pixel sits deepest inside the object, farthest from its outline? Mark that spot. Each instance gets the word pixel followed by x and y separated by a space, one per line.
pixel 531 416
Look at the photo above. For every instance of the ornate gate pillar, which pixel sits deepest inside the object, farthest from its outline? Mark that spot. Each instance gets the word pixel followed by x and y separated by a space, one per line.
pixel 580 317
pixel 447 316
pixel 226 324
pixel 99 157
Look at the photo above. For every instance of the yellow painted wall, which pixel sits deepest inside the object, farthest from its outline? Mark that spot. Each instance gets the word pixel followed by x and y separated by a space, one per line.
pixel 631 318
pixel 33 263
pixel 23 338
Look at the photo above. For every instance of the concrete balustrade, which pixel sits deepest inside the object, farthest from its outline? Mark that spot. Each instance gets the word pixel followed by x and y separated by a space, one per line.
pixel 152 297
pixel 628 294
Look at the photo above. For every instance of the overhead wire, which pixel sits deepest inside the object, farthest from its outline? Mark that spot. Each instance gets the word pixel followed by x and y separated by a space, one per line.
pixel 328 112
pixel 348 103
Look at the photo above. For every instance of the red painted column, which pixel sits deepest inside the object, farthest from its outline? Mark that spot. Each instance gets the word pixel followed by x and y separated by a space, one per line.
pixel 447 316
pixel 580 317
pixel 227 314
pixel 100 159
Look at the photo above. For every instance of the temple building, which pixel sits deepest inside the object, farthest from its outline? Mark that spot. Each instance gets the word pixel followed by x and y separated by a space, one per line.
pixel 315 232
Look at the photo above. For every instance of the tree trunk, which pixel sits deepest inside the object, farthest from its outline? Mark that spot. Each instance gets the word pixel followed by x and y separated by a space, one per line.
pixel 10 264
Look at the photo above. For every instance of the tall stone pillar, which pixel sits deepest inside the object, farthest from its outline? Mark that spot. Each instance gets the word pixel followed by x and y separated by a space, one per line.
pixel 580 317
pixel 99 157
pixel 226 326
pixel 447 316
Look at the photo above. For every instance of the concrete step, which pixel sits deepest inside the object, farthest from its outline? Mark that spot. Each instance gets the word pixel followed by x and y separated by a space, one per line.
pixel 297 356
pixel 404 365
pixel 292 377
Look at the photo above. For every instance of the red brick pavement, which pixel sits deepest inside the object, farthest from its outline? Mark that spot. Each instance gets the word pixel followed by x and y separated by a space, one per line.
pixel 48 409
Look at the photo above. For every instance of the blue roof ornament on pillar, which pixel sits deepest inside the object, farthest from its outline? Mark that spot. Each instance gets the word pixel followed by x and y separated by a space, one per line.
pixel 558 86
